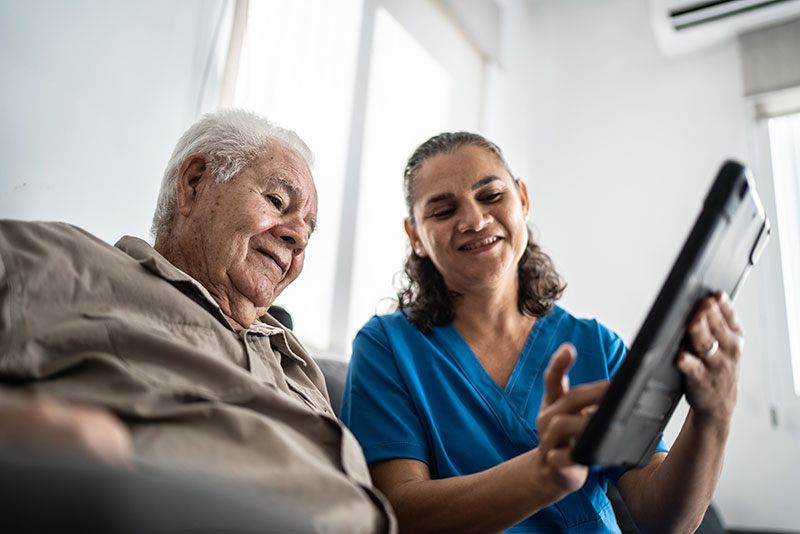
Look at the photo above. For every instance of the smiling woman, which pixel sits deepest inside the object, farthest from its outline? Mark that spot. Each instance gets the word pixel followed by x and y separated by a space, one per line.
pixel 425 297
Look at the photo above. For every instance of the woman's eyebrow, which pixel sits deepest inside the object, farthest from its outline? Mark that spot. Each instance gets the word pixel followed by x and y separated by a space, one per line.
pixel 483 181
pixel 446 196
pixel 438 198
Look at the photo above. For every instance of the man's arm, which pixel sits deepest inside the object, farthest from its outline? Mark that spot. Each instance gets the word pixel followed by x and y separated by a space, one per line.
pixel 32 418
pixel 41 420
pixel 672 493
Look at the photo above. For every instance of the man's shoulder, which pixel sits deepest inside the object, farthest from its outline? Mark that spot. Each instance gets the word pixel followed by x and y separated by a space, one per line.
pixel 45 260
pixel 50 233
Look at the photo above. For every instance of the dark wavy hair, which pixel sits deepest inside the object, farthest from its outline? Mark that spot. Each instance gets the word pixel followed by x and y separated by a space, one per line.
pixel 423 294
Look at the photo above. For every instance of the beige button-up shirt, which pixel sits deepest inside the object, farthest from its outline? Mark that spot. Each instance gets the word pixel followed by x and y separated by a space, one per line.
pixel 121 327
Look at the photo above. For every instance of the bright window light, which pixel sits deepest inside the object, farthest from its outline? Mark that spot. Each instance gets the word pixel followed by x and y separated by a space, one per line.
pixel 363 82
pixel 410 100
pixel 784 135
pixel 298 69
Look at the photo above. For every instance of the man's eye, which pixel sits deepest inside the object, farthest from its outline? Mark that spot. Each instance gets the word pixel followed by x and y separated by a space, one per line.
pixel 276 201
pixel 492 197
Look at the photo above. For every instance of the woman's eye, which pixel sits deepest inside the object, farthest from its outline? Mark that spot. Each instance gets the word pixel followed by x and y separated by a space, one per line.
pixel 442 213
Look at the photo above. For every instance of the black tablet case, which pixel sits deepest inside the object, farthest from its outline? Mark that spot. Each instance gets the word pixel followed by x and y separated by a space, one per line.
pixel 725 243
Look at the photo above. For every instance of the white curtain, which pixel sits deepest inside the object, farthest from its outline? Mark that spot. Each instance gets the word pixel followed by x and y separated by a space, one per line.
pixel 784 134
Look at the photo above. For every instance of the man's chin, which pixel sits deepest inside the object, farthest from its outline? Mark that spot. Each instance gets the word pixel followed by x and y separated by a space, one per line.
pixel 263 298
pixel 259 298
pixel 263 293
pixel 263 301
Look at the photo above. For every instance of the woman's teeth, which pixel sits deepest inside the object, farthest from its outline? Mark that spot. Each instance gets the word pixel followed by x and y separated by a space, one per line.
pixel 479 244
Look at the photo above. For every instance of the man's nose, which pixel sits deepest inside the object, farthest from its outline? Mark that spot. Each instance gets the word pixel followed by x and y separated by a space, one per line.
pixel 295 234
pixel 473 218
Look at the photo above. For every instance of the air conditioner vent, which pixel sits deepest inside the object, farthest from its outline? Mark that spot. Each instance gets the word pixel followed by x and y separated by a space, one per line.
pixel 682 26
pixel 706 12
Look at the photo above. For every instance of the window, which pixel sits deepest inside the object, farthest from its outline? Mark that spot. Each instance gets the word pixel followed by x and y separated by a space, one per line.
pixel 784 137
pixel 297 68
pixel 363 82
pixel 409 100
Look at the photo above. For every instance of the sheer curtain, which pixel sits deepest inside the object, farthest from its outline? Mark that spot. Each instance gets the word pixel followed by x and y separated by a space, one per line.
pixel 784 136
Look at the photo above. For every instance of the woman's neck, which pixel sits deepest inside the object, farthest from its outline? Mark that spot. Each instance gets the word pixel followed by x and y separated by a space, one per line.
pixel 490 313
pixel 494 329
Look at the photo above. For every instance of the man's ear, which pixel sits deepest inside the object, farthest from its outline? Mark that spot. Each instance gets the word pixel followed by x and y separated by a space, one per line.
pixel 190 175
pixel 413 237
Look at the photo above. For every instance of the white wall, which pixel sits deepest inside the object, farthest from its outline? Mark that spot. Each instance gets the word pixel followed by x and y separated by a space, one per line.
pixel 94 95
pixel 618 146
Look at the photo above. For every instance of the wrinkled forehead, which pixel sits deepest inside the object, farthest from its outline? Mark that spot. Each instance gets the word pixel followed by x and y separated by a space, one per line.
pixel 276 148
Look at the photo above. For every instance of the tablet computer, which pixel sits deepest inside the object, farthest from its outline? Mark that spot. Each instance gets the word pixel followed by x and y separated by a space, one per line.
pixel 724 244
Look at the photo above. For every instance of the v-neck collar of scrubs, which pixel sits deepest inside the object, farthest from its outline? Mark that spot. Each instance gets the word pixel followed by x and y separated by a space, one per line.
pixel 528 370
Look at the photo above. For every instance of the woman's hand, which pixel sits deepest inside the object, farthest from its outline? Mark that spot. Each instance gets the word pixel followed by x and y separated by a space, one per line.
pixel 673 491
pixel 712 372
pixel 561 418
pixel 37 419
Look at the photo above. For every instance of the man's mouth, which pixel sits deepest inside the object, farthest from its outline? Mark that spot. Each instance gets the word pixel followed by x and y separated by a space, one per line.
pixel 472 245
pixel 278 262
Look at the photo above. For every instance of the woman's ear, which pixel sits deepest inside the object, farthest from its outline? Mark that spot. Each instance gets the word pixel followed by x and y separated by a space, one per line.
pixel 523 194
pixel 413 237
pixel 190 175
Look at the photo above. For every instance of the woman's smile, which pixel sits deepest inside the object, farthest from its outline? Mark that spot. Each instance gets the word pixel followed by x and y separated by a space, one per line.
pixel 477 246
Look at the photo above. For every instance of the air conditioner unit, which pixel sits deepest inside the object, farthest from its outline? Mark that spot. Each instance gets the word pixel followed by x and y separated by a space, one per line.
pixel 682 26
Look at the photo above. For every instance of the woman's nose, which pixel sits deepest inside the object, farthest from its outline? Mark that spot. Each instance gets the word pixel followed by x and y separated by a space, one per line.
pixel 473 218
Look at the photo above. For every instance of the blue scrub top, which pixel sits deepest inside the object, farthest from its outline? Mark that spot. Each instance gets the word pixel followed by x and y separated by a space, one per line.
pixel 428 398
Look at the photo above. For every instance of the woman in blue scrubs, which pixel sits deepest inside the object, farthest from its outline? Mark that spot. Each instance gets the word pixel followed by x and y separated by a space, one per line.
pixel 467 400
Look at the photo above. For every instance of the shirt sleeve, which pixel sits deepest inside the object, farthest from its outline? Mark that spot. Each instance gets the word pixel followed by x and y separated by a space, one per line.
pixel 376 404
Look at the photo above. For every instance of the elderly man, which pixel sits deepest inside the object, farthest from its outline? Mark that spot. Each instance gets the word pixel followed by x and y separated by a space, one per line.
pixel 175 340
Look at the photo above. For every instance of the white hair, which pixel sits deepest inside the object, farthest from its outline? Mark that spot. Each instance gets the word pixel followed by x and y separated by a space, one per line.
pixel 230 139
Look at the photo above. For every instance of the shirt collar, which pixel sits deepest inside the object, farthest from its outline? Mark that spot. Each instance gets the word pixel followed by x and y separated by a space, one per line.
pixel 151 259
pixel 154 262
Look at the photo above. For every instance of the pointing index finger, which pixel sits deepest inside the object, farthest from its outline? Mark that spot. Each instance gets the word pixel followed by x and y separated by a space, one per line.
pixel 556 373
